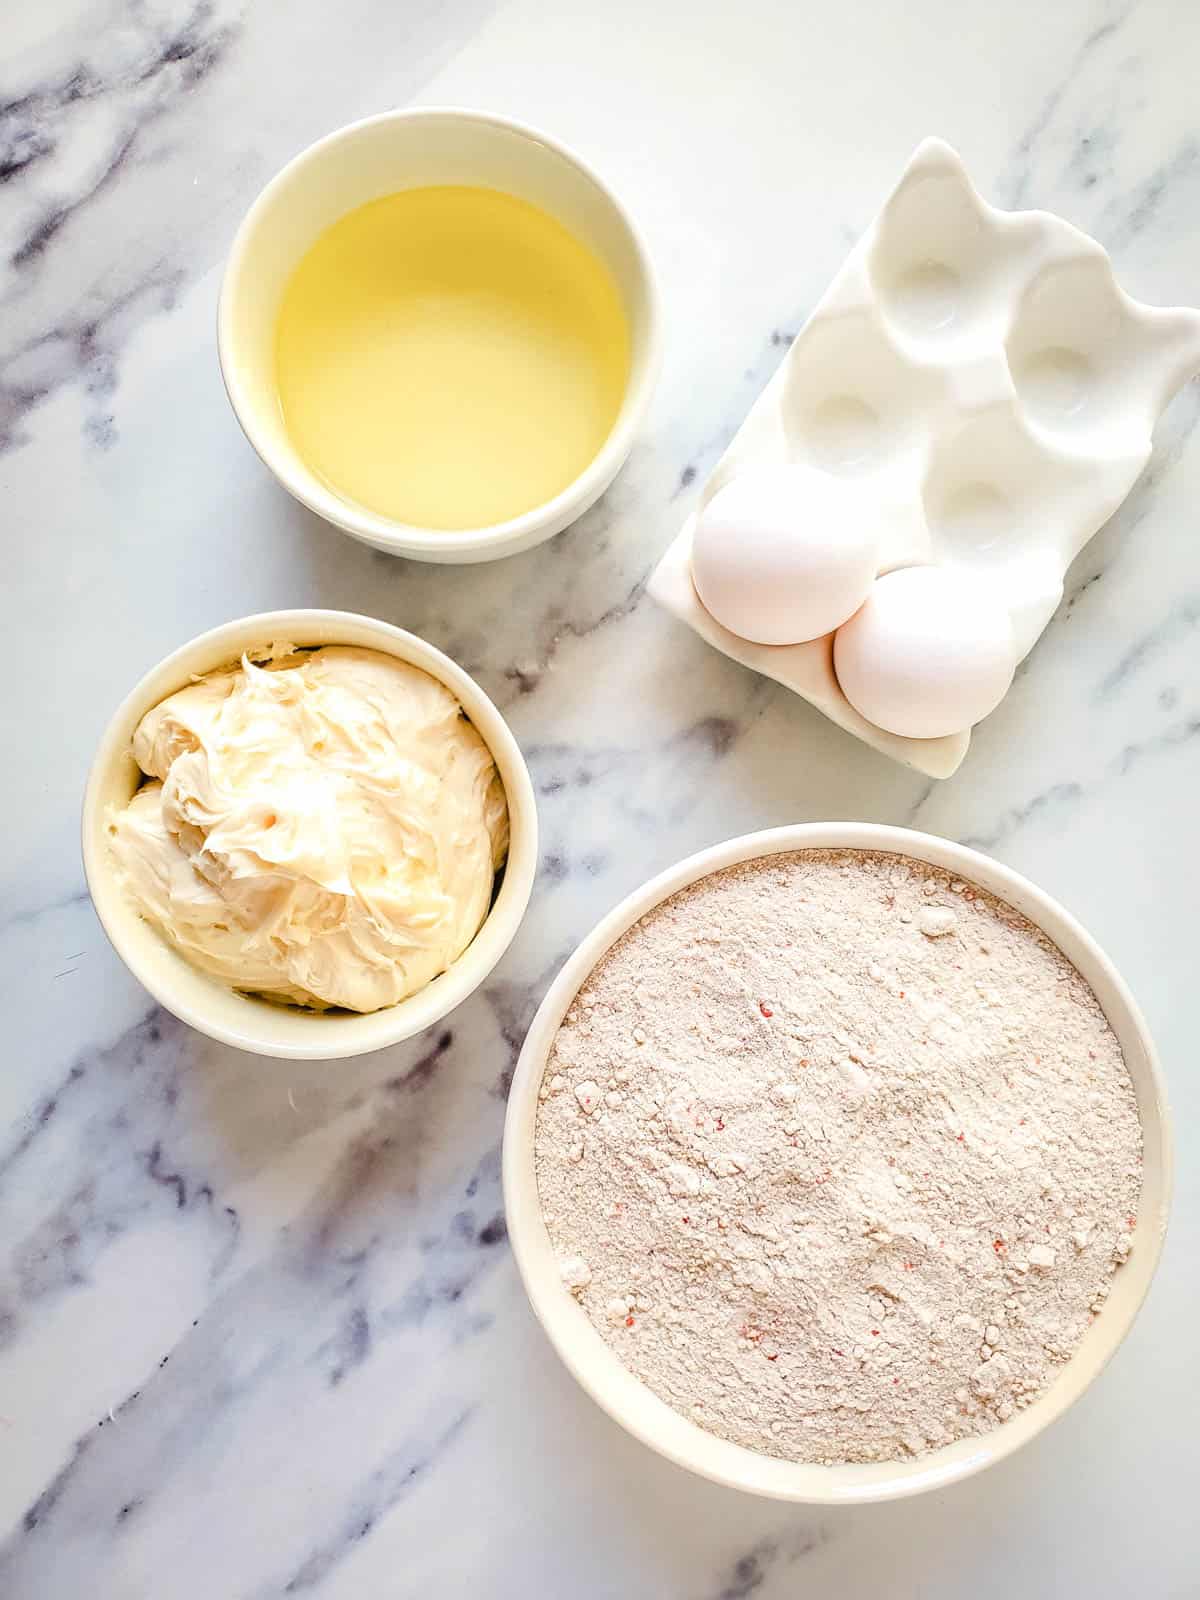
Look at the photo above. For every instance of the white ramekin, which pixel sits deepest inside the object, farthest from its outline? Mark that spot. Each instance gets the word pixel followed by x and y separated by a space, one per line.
pixel 379 156
pixel 258 1025
pixel 650 1419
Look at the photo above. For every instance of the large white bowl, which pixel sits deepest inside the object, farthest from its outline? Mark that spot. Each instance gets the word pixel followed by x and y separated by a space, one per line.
pixel 376 157
pixel 259 1025
pixel 650 1419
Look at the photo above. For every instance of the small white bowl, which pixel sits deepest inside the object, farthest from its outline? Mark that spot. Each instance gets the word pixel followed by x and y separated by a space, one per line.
pixel 650 1419
pixel 379 156
pixel 259 1025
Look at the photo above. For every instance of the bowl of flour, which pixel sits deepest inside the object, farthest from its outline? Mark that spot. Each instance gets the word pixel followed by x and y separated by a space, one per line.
pixel 837 1162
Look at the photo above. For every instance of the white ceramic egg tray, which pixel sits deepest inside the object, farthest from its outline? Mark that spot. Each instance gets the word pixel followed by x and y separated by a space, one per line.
pixel 983 374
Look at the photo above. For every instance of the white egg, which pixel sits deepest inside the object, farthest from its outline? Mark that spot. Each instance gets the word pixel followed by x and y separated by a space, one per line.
pixel 785 553
pixel 928 653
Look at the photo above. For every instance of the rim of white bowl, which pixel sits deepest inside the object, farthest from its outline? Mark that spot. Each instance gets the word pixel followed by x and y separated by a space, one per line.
pixel 339 1035
pixel 623 1396
pixel 409 539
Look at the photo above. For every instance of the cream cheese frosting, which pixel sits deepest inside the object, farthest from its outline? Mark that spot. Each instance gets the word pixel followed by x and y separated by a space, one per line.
pixel 322 828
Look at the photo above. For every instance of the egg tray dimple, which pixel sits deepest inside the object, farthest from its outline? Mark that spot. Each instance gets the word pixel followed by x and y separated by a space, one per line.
pixel 984 375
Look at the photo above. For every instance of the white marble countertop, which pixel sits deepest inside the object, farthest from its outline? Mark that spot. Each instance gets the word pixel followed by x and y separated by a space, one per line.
pixel 260 1333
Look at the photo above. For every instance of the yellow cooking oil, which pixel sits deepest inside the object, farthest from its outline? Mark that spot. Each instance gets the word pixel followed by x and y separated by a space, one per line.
pixel 450 357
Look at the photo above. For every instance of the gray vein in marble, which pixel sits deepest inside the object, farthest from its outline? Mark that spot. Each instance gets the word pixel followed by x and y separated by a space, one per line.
pixel 557 868
pixel 513 1005
pixel 751 1573
pixel 138 71
pixel 1179 733
pixel 556 768
pixel 1091 160
pixel 1094 143
pixel 323 1271
pixel 1066 796
pixel 151 67
pixel 1134 212
pixel 1179 624
pixel 527 674
pixel 704 456
pixel 29 914
pixel 118 1100
pixel 426 1064
pixel 1058 797
pixel 386 1487
pixel 83 347
pixel 54 1490
pixel 927 791
pixel 38 1118
pixel 1075 593
pixel 1114 541
pixel 1015 188
pixel 622 772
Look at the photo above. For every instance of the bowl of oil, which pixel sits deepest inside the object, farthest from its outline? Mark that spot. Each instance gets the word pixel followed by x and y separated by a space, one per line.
pixel 439 330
